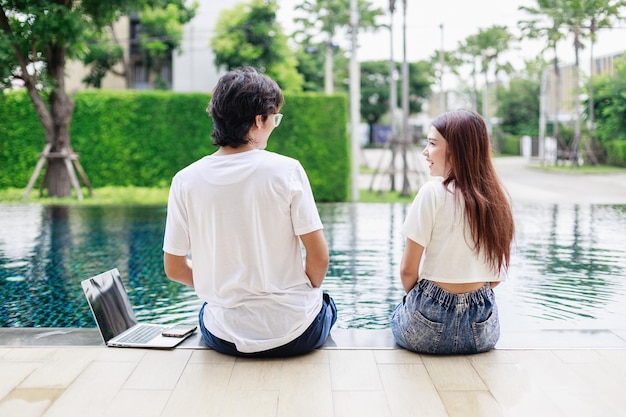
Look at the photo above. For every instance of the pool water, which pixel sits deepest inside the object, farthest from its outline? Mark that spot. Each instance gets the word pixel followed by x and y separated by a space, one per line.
pixel 567 269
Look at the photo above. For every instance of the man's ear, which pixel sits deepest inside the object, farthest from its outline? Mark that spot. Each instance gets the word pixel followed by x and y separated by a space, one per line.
pixel 258 121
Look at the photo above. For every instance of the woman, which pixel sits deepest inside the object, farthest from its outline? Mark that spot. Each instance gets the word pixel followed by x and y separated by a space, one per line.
pixel 458 233
pixel 242 212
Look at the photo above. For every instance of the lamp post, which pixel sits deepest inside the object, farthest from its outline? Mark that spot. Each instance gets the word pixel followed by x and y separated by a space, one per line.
pixel 393 92
pixel 405 107
pixel 442 94
pixel 355 101
pixel 393 98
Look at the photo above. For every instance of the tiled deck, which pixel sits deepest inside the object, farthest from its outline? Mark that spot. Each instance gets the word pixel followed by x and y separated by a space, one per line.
pixel 552 373
pixel 357 373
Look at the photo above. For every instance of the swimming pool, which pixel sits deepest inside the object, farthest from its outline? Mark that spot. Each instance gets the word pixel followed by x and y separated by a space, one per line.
pixel 567 272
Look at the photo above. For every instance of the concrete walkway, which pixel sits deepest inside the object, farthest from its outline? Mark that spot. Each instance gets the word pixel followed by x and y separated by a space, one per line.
pixel 524 179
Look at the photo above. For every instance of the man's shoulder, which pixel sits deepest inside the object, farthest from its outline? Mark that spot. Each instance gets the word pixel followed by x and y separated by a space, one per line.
pixel 276 158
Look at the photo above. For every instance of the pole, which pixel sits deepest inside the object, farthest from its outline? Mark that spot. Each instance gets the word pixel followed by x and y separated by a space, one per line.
pixel 328 68
pixel 405 107
pixel 442 94
pixel 355 103
pixel 393 101
pixel 393 92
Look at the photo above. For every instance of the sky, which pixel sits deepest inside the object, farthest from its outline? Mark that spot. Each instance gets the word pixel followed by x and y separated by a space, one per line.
pixel 460 19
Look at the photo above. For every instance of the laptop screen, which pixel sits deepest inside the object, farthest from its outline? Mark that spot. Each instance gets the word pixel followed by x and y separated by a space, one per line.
pixel 109 303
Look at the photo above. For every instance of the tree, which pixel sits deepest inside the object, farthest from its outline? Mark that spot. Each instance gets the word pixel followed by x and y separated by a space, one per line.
pixel 439 62
pixel 518 103
pixel 101 58
pixel 420 84
pixel 161 31
pixel 600 14
pixel 545 23
pixel 374 93
pixel 323 19
pixel 488 45
pixel 610 104
pixel 580 19
pixel 42 35
pixel 311 58
pixel 248 34
pixel 161 34
pixel 375 89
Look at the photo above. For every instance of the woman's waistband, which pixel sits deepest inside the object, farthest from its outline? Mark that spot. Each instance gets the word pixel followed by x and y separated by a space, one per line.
pixel 449 299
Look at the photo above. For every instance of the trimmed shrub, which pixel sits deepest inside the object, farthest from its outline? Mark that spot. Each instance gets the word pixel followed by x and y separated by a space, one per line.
pixel 616 153
pixel 143 138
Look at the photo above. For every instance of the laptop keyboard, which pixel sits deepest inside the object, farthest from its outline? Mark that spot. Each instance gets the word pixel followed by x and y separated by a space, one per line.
pixel 142 334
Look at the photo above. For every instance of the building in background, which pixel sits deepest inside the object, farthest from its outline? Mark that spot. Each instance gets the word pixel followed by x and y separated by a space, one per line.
pixel 189 69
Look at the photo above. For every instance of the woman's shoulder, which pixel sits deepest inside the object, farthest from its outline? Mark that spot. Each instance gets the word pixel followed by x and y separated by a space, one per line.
pixel 433 186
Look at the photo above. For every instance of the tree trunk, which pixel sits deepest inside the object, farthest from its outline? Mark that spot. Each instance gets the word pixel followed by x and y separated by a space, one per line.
pixel 56 117
pixel 57 126
pixel 329 87
pixel 557 99
pixel 577 133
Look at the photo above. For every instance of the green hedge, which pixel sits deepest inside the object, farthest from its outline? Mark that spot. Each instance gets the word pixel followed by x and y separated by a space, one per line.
pixel 616 153
pixel 144 138
pixel 510 145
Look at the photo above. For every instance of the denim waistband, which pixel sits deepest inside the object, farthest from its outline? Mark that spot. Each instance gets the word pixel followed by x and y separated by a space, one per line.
pixel 449 299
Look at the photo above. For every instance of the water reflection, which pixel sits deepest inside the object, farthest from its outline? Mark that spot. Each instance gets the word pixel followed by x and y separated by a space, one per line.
pixel 567 267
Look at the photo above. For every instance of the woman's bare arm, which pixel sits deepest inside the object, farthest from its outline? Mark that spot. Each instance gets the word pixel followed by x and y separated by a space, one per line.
pixel 409 267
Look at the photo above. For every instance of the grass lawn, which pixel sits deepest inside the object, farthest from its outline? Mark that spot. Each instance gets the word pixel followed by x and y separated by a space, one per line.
pixel 155 196
pixel 101 196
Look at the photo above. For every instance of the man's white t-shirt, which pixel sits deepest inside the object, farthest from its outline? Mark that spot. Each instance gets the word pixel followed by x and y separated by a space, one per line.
pixel 437 222
pixel 239 217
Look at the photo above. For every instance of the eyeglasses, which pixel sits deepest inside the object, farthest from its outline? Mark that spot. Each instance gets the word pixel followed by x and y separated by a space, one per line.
pixel 277 118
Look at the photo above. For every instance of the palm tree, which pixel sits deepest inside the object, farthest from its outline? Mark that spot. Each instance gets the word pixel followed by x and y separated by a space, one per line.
pixel 326 17
pixel 545 23
pixel 600 14
pixel 469 52
pixel 488 44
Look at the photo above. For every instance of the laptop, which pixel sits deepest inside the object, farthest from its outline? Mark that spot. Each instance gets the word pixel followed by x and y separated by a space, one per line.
pixel 116 319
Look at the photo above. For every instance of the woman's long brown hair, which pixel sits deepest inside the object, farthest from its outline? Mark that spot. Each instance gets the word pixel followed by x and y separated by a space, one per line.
pixel 487 207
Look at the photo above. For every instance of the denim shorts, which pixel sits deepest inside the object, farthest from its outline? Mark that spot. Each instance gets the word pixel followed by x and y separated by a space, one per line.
pixel 312 338
pixel 433 320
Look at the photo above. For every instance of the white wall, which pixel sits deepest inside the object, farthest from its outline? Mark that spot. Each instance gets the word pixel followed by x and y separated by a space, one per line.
pixel 193 68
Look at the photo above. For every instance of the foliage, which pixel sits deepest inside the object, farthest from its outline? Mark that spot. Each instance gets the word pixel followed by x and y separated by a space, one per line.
pixel 319 24
pixel 248 34
pixel 420 82
pixel 100 58
pixel 375 89
pixel 311 58
pixel 610 104
pixel 324 18
pixel 580 20
pixel 314 131
pixel 21 139
pixel 509 145
pixel 483 50
pixel 160 35
pixel 42 35
pixel 616 153
pixel 518 102
pixel 141 139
